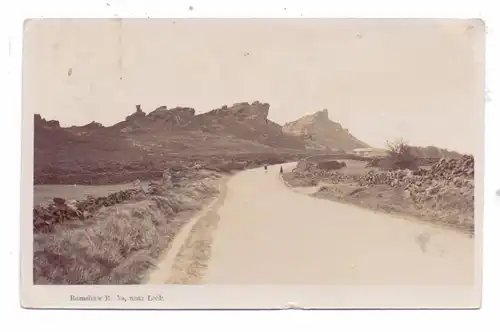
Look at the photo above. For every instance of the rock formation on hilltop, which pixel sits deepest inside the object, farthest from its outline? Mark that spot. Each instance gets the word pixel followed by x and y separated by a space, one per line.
pixel 320 132
pixel 178 116
pixel 146 141
pixel 87 129
pixel 242 111
pixel 158 120
pixel 248 122
pixel 240 128
pixel 40 122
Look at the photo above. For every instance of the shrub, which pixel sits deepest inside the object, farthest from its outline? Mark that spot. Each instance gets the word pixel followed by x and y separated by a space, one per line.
pixel 400 156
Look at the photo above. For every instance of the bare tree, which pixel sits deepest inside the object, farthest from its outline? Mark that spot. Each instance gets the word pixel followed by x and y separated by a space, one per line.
pixel 398 146
pixel 400 155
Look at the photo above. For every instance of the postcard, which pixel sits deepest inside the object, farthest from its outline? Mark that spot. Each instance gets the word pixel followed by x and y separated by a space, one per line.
pixel 252 163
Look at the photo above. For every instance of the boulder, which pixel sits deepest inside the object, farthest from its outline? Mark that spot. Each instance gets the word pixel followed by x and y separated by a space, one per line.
pixel 331 165
pixel 59 201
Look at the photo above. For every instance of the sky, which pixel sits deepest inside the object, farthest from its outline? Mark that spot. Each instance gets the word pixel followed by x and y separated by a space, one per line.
pixel 420 80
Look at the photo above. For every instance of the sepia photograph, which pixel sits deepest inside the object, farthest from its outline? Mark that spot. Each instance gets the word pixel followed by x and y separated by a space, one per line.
pixel 289 155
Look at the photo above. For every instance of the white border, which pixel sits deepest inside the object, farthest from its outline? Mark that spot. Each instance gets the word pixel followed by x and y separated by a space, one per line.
pixel 398 320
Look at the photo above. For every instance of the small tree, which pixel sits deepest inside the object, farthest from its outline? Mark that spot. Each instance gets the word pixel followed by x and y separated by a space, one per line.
pixel 398 147
pixel 400 155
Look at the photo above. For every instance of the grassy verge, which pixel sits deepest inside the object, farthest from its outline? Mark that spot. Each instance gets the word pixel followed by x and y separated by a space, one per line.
pixel 119 244
pixel 192 259
pixel 427 196
pixel 449 208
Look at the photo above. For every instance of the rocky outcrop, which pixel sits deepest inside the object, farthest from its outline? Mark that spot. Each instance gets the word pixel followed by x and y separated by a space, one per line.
pixel 87 129
pixel 178 116
pixel 248 122
pixel 95 153
pixel 321 133
pixel 135 120
pixel 242 111
pixel 93 125
pixel 40 122
pixel 160 120
pixel 139 113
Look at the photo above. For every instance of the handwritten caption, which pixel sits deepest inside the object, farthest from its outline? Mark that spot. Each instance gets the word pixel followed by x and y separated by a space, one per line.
pixel 116 298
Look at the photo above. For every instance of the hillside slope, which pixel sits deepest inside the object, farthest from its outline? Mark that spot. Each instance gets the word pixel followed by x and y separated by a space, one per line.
pixel 173 130
pixel 144 144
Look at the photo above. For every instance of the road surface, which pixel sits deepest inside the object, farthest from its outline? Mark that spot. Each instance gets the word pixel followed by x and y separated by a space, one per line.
pixel 269 234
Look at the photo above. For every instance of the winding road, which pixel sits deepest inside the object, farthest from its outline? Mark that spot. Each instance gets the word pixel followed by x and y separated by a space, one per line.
pixel 269 234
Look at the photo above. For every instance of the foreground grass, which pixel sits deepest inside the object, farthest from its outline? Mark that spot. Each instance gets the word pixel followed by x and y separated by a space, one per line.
pixel 120 244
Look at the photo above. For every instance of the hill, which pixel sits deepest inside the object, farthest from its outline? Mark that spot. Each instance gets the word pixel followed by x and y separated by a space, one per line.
pixel 319 132
pixel 434 152
pixel 143 144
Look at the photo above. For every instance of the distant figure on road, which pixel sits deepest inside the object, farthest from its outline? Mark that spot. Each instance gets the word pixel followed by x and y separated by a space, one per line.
pixel 265 168
pixel 166 178
pixel 281 169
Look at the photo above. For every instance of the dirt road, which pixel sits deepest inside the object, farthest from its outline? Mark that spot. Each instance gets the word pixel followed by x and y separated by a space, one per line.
pixel 269 234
